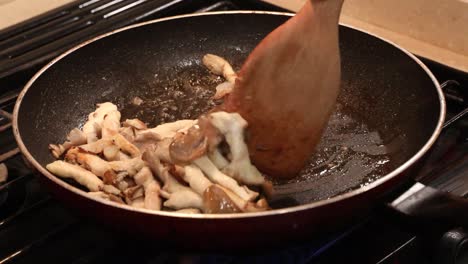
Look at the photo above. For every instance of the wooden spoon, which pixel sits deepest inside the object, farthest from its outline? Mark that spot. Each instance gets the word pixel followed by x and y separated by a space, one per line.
pixel 287 88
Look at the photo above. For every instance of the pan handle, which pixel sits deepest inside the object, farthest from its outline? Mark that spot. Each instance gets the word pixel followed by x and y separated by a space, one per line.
pixel 430 209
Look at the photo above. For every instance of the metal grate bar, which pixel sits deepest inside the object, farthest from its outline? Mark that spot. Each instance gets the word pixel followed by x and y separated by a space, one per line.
pixel 27 248
pixel 23 211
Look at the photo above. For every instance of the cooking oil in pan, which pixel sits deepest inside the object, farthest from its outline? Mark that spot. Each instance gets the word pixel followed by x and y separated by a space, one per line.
pixel 349 156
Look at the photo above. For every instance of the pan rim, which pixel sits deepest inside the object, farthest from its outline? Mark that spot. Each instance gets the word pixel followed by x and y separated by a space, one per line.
pixel 293 209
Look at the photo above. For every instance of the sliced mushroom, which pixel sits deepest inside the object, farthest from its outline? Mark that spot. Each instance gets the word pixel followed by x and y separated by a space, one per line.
pixel 138 203
pixel 216 176
pixel 135 123
pixel 128 133
pixel 216 201
pixel 131 166
pixel 75 138
pixel 186 147
pixel 218 159
pixel 196 179
pixel 89 161
pixel 100 195
pixel 111 124
pixel 219 66
pixel 178 196
pixel 82 176
pixel 92 128
pixel 168 130
pixel 96 147
pixel 223 89
pixel 3 172
pixel 126 146
pixel 145 178
pixel 110 189
pixel 232 127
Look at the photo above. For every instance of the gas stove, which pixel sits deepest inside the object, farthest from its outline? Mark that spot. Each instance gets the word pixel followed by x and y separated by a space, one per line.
pixel 35 227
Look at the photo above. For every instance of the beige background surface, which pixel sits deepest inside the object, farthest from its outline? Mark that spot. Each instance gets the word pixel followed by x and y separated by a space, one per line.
pixel 437 29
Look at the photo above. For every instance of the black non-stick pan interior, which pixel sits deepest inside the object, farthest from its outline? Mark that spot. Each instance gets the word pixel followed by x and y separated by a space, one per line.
pixel 387 109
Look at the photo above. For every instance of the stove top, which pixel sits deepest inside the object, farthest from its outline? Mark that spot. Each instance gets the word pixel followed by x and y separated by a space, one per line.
pixel 35 227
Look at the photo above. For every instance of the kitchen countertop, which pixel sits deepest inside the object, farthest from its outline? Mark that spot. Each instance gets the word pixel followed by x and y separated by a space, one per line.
pixel 435 29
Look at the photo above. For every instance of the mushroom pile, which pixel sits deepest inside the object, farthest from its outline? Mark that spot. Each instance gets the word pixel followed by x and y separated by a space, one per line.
pixel 190 166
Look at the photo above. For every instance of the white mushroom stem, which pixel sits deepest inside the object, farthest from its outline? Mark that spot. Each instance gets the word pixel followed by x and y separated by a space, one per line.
pixel 216 176
pixel 232 126
pixel 91 128
pixel 195 178
pixel 145 178
pixel 82 176
pixel 168 130
pixel 219 66
pixel 111 124
pixel 218 159
pixel 178 196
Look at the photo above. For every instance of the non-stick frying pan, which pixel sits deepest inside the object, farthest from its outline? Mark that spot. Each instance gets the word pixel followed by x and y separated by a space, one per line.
pixel 389 113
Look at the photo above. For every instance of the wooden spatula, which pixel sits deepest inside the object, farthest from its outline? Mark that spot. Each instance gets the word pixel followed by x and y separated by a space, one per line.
pixel 287 88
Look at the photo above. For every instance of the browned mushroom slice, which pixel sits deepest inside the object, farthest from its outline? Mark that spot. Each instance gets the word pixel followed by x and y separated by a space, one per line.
pixel 186 147
pixel 82 176
pixel 91 128
pixel 230 199
pixel 126 146
pixel 110 124
pixel 89 161
pixel 216 201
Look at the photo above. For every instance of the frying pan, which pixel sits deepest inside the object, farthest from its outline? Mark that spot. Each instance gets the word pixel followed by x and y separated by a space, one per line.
pixel 388 115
